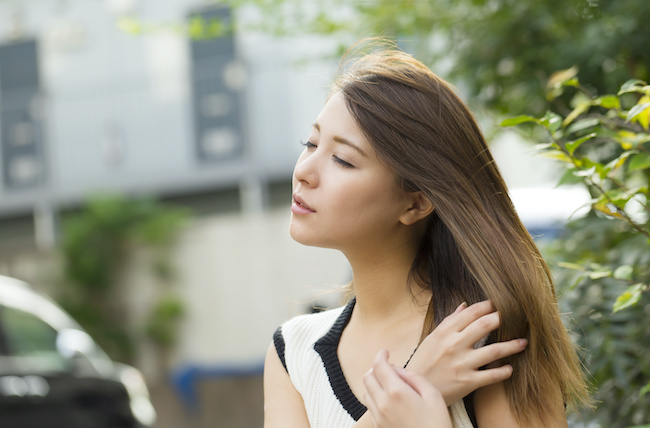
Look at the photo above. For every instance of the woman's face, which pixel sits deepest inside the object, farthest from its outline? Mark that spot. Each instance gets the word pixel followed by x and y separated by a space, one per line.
pixel 343 196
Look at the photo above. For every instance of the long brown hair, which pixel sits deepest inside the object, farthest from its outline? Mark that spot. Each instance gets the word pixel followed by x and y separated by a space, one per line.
pixel 475 246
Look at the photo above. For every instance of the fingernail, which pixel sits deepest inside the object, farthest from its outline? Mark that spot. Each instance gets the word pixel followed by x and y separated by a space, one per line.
pixel 523 343
pixel 461 307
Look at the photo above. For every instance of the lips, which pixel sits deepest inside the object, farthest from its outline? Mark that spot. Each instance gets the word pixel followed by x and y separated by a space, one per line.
pixel 300 206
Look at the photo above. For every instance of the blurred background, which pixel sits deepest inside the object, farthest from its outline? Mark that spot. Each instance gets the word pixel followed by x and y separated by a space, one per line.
pixel 146 157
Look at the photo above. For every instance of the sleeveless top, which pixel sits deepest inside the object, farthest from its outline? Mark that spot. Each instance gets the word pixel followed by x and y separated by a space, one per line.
pixel 307 346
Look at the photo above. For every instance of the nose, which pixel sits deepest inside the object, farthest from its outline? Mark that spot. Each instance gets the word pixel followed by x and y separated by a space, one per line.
pixel 306 170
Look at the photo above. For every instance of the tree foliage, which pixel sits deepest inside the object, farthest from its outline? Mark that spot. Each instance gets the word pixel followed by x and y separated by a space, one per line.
pixel 501 51
pixel 97 241
pixel 605 145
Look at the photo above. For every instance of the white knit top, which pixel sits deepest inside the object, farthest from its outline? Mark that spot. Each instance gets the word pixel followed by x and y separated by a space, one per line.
pixel 307 346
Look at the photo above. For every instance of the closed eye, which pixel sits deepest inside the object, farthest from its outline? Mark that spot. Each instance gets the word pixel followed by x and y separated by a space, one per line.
pixel 343 163
pixel 308 144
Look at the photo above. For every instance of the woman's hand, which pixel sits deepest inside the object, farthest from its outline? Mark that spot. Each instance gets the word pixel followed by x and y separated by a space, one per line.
pixel 448 360
pixel 400 399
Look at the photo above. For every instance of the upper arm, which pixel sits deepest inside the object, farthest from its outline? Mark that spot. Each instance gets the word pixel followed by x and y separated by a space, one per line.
pixel 283 405
pixel 492 409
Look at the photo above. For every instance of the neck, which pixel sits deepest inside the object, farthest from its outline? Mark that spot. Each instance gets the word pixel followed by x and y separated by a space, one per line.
pixel 382 287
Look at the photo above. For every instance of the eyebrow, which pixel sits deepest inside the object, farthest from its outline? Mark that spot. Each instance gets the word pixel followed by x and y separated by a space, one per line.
pixel 342 140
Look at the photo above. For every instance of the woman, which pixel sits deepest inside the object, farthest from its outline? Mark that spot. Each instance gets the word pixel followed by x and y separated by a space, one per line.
pixel 397 175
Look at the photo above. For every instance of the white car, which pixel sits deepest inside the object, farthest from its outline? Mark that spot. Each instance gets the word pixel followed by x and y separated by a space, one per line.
pixel 53 374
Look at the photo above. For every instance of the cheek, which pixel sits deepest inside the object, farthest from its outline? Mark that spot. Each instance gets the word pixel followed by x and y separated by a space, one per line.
pixel 374 204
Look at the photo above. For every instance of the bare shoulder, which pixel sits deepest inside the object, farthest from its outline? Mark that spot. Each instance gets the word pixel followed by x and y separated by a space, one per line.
pixel 283 405
pixel 493 409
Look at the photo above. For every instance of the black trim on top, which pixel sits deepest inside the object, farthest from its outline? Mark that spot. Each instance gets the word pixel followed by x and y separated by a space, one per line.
pixel 327 347
pixel 468 401
pixel 278 341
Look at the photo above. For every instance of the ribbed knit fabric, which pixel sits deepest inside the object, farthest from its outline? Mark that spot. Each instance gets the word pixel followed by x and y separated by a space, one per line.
pixel 307 346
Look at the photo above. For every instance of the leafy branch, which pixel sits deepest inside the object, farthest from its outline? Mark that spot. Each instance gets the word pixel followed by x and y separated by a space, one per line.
pixel 603 141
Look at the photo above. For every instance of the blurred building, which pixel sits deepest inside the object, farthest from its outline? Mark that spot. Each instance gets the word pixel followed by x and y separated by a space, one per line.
pixel 212 124
pixel 88 107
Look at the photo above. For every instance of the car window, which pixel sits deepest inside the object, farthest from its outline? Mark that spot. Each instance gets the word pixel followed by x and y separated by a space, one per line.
pixel 29 337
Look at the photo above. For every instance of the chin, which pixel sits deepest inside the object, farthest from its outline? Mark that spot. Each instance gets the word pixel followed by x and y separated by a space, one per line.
pixel 301 238
pixel 308 239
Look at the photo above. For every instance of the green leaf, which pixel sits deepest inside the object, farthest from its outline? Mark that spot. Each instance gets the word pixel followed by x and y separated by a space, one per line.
pixel 637 110
pixel 629 140
pixel 640 113
pixel 631 86
pixel 582 125
pixel 645 390
pixel 606 208
pixel 581 108
pixel 544 146
pixel 573 145
pixel 519 119
pixel 616 163
pixel 585 172
pixel 551 121
pixel 563 78
pixel 556 154
pixel 639 161
pixel 599 274
pixel 573 266
pixel 608 101
pixel 620 197
pixel 574 82
pixel 623 272
pixel 569 177
pixel 578 279
pixel 629 298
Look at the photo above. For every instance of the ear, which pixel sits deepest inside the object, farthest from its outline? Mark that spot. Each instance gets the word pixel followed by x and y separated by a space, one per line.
pixel 419 207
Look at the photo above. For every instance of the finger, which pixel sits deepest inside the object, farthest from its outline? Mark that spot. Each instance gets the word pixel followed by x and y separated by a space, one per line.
pixel 375 397
pixel 459 321
pixel 392 384
pixel 373 387
pixel 491 376
pixel 383 371
pixel 496 351
pixel 381 358
pixel 371 403
pixel 460 307
pixel 481 327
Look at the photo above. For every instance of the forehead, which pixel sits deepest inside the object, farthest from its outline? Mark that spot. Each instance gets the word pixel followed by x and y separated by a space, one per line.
pixel 335 119
pixel 336 115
